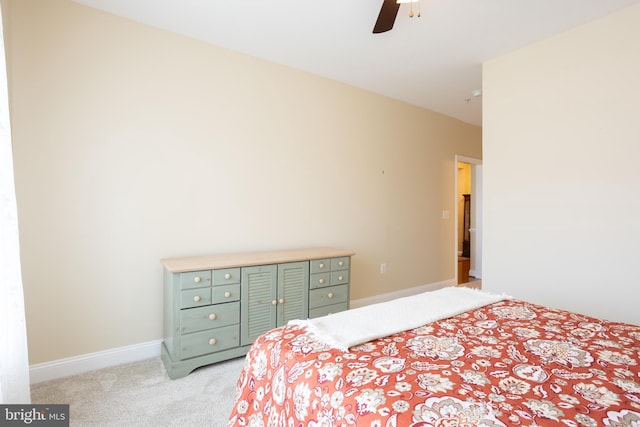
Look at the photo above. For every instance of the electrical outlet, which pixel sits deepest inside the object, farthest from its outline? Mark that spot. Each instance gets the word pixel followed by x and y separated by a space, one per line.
pixel 383 268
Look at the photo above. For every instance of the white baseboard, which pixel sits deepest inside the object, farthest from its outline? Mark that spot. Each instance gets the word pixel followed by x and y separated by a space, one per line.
pixel 361 302
pixel 92 361
pixel 133 353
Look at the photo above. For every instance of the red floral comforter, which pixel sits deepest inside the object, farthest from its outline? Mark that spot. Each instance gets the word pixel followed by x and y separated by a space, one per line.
pixel 506 364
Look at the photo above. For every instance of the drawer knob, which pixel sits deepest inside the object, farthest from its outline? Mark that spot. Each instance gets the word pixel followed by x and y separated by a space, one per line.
pixel 321 265
pixel 212 341
pixel 212 316
pixel 340 263
pixel 321 281
pixel 227 294
pixel 227 276
pixel 330 294
pixel 197 279
pixel 197 298
pixel 274 302
pixel 340 278
pixel 281 300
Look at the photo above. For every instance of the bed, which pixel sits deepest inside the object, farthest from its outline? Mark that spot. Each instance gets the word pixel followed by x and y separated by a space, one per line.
pixel 502 362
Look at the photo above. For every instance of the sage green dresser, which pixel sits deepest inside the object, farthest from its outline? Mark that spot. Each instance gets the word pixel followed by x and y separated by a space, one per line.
pixel 216 306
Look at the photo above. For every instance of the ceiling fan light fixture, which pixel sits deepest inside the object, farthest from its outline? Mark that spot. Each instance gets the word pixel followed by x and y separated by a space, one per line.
pixel 388 13
pixel 411 2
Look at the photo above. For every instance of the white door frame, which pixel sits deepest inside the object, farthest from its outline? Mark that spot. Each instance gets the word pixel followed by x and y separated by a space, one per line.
pixel 476 216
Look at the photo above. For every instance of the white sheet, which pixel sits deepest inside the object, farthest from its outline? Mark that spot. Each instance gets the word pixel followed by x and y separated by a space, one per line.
pixel 352 327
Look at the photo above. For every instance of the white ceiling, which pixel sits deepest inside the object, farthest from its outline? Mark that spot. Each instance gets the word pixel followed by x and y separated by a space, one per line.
pixel 434 61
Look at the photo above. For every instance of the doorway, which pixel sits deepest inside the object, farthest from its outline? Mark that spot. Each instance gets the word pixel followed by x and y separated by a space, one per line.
pixel 468 215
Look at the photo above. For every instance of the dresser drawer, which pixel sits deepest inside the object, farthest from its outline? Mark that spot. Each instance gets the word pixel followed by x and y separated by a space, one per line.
pixel 226 276
pixel 328 296
pixel 211 316
pixel 320 280
pixel 320 265
pixel 226 293
pixel 195 297
pixel 341 263
pixel 339 277
pixel 328 309
pixel 210 341
pixel 195 279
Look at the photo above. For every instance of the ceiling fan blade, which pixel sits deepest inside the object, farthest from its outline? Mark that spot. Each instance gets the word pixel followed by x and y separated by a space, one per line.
pixel 387 16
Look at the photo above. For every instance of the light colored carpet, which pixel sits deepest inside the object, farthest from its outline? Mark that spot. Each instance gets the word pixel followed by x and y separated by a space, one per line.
pixel 141 394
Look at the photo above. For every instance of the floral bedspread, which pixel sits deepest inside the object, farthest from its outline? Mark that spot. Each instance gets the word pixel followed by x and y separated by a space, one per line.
pixel 510 363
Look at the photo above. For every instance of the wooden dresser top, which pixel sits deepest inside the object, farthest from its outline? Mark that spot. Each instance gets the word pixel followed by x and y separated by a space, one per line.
pixel 242 259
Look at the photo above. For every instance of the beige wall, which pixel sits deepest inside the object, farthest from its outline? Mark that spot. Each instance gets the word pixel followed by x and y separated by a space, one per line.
pixel 561 146
pixel 133 144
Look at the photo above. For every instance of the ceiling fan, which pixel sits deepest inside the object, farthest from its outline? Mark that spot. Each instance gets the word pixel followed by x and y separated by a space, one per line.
pixel 388 13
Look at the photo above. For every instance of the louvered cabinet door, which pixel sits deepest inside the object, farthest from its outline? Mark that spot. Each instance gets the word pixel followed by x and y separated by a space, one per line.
pixel 259 301
pixel 293 291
